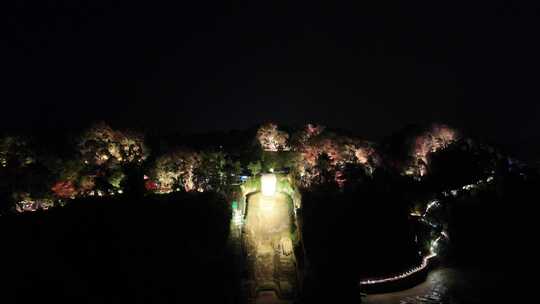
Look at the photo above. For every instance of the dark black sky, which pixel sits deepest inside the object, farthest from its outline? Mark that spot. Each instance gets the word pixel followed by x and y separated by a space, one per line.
pixel 371 67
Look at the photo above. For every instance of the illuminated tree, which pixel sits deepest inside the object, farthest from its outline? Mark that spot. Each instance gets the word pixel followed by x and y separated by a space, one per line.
pixel 212 171
pixel 272 139
pixel 87 183
pixel 255 167
pixel 324 168
pixel 309 131
pixel 115 178
pixel 176 169
pixel 66 176
pixel 150 185
pixel 133 148
pixel 64 189
pixel 15 152
pixel 312 142
pixel 101 144
pixel 434 139
pixel 68 170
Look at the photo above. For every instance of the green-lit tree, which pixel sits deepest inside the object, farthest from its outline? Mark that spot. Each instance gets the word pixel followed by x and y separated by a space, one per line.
pixel 255 167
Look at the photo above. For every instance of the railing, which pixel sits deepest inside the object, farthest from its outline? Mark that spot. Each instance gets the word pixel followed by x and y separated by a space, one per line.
pixel 403 275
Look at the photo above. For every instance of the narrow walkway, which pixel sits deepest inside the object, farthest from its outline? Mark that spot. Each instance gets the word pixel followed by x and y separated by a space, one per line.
pixel 446 285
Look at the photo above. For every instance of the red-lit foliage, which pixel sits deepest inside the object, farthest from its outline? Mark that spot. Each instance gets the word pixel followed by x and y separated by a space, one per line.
pixel 64 189
pixel 436 138
pixel 150 185
pixel 312 142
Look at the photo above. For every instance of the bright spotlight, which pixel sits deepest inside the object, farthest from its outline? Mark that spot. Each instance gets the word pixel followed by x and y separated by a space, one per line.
pixel 268 184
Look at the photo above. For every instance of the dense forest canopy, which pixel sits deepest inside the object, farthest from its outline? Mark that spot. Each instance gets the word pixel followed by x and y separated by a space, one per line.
pixel 105 161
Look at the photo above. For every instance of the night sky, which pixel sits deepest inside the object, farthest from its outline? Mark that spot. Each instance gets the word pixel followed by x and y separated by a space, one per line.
pixel 196 66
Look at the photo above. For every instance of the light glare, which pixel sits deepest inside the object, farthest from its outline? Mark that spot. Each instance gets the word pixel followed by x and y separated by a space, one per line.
pixel 268 184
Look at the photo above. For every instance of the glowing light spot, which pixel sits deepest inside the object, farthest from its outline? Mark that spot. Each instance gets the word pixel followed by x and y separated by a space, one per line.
pixel 237 217
pixel 430 205
pixel 468 187
pixel 268 184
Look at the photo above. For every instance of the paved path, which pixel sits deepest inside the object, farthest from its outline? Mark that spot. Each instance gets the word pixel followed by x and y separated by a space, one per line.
pixel 446 285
